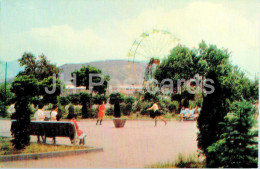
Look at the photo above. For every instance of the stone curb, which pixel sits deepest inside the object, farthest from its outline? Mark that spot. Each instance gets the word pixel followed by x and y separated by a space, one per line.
pixel 36 156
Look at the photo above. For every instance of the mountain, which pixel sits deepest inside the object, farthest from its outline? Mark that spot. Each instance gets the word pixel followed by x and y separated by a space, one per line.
pixel 120 71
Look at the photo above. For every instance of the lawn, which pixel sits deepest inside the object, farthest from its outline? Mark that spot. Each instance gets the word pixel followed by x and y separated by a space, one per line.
pixel 192 161
pixel 7 148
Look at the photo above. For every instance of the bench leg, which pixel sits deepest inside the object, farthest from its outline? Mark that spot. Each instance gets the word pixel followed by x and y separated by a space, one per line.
pixel 38 139
pixel 44 139
pixel 54 140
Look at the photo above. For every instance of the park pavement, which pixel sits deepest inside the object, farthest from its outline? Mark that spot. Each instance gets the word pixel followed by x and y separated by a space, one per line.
pixel 136 145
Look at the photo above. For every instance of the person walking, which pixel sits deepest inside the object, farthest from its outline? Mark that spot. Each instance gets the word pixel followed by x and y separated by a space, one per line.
pixel 156 113
pixel 101 113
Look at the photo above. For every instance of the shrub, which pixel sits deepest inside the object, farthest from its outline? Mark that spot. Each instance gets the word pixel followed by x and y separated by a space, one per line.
pixel 109 111
pixel 64 100
pixel 238 145
pixel 144 110
pixel 192 161
pixel 173 106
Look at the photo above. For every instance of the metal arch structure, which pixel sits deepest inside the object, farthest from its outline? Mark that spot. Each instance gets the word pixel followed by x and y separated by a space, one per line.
pixel 152 47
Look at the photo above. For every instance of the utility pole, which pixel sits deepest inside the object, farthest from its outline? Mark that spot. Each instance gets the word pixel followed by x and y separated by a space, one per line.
pixel 5 81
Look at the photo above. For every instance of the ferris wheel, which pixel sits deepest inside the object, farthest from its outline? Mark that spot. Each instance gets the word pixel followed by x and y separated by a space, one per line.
pixel 151 47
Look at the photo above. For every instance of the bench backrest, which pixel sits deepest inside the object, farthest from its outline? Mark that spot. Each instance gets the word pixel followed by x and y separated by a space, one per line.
pixel 51 128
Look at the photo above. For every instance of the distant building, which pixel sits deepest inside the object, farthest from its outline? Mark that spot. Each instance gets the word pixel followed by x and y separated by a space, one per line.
pixel 126 89
pixel 71 89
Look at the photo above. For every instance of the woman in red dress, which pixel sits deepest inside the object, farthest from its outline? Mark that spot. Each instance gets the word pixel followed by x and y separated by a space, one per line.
pixel 73 119
pixel 101 113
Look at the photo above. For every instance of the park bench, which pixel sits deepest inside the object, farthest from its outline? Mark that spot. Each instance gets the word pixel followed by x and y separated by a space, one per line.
pixel 52 129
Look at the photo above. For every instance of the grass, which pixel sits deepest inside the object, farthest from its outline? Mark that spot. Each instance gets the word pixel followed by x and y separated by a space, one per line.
pixel 7 148
pixel 192 161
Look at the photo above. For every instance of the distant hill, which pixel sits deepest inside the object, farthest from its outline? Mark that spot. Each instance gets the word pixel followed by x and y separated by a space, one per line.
pixel 120 71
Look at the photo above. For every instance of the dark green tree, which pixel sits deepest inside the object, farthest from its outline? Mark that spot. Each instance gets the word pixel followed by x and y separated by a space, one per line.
pixel 182 63
pixel 215 105
pixel 24 87
pixel 116 99
pixel 64 100
pixel 149 97
pixel 5 100
pixel 28 85
pixel 238 145
pixel 74 99
pixel 83 79
pixel 85 99
pixel 98 99
pixel 129 101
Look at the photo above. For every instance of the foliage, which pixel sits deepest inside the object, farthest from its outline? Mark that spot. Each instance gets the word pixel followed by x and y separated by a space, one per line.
pixel 27 86
pixel 182 63
pixel 192 161
pixel 83 78
pixel 24 87
pixel 150 97
pixel 145 106
pixel 64 100
pixel 3 109
pixel 173 106
pixel 109 111
pixel 114 97
pixel 238 145
pixel 215 105
pixel 74 99
pixel 70 110
pixel 85 99
pixel 129 101
pixel 41 68
pixel 98 99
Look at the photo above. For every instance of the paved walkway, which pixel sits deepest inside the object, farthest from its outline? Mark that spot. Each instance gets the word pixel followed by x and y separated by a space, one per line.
pixel 136 145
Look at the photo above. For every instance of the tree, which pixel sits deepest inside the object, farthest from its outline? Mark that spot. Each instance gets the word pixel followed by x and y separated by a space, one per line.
pixel 64 100
pixel 85 99
pixel 238 145
pixel 29 87
pixel 215 105
pixel 41 68
pixel 5 100
pixel 149 97
pixel 129 101
pixel 83 79
pixel 98 99
pixel 116 99
pixel 74 99
pixel 182 63
pixel 24 87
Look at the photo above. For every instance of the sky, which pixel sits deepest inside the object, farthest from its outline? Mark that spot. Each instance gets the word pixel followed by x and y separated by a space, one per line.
pixel 91 30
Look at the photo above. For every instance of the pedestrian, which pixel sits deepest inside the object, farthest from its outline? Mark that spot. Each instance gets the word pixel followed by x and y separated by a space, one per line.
pixel 156 113
pixel 183 113
pixel 81 135
pixel 39 114
pixel 11 110
pixel 101 112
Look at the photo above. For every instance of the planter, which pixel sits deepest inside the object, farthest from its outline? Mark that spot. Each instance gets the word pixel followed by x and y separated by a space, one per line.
pixel 119 123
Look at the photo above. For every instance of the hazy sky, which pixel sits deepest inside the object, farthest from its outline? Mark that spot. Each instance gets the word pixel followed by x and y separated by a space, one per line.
pixel 83 31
